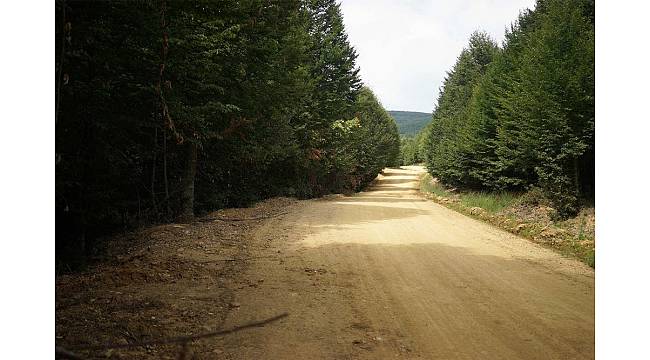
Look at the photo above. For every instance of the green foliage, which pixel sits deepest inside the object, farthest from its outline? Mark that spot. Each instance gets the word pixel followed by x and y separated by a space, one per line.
pixel 412 149
pixel 533 197
pixel 428 185
pixel 250 99
pixel 446 144
pixel 492 202
pixel 523 115
pixel 408 151
pixel 379 139
pixel 410 123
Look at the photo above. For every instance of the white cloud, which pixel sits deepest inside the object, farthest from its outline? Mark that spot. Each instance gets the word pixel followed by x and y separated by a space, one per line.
pixel 406 47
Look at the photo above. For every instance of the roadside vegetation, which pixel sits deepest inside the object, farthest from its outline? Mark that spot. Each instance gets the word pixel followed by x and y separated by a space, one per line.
pixel 170 108
pixel 512 133
pixel 411 149
pixel 519 115
pixel 526 214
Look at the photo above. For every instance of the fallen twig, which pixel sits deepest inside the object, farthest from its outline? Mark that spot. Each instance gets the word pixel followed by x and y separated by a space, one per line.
pixel 241 219
pixel 183 339
pixel 247 258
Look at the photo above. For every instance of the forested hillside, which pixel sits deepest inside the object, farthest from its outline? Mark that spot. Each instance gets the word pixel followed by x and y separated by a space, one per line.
pixel 520 115
pixel 168 108
pixel 410 123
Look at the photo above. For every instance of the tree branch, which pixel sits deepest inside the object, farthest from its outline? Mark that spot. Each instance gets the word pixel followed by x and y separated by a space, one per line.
pixel 184 339
pixel 241 219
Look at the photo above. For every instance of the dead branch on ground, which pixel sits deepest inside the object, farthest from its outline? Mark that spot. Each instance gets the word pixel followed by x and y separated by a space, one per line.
pixel 219 218
pixel 184 339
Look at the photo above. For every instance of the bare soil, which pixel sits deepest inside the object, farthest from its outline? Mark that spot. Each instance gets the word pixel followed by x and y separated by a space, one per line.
pixel 381 274
pixel 161 282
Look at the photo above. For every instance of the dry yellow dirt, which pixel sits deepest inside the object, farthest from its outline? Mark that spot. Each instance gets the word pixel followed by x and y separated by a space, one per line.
pixel 385 274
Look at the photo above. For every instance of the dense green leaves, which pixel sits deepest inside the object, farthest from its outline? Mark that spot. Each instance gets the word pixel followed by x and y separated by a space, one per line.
pixel 522 115
pixel 171 107
pixel 377 143
pixel 447 143
pixel 412 149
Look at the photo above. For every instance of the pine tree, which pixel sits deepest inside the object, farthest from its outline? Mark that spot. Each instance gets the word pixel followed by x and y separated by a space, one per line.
pixel 522 116
pixel 334 75
pixel 166 108
pixel 550 107
pixel 446 143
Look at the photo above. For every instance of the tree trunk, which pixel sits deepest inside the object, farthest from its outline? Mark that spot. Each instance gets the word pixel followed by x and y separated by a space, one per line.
pixel 187 191
pixel 576 175
pixel 153 173
pixel 60 72
pixel 164 113
pixel 165 171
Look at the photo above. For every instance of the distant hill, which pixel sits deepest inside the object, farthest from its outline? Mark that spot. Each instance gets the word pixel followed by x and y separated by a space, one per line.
pixel 410 122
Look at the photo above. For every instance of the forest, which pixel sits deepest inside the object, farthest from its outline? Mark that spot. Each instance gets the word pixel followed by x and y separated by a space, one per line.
pixel 519 115
pixel 227 186
pixel 410 123
pixel 169 109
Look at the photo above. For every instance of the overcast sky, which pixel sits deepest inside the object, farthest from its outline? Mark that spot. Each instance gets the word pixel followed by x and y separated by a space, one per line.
pixel 405 47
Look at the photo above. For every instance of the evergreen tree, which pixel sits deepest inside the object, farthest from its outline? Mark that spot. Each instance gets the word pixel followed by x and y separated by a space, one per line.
pixel 551 113
pixel 524 115
pixel 166 108
pixel 378 140
pixel 334 76
pixel 446 141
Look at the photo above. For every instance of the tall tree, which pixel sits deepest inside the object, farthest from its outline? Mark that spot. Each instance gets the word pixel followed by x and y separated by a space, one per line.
pixel 552 111
pixel 168 108
pixel 524 115
pixel 446 145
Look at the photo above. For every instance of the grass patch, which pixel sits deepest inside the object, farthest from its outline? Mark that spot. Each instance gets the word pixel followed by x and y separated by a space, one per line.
pixel 430 186
pixel 490 202
pixel 573 248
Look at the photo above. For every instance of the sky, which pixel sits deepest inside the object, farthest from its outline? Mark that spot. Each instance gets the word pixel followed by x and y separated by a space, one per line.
pixel 406 47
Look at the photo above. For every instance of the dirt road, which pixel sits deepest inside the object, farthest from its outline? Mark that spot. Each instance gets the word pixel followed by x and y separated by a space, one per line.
pixel 385 274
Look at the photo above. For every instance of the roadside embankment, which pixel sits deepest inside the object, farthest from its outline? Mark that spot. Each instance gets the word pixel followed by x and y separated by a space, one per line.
pixel 524 214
